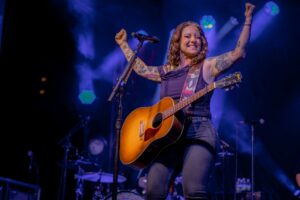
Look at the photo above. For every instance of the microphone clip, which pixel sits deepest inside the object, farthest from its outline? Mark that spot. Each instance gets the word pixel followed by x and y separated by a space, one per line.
pixel 143 37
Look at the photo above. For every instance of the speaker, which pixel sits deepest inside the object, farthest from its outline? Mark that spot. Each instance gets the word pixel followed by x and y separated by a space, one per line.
pixel 17 190
pixel 21 195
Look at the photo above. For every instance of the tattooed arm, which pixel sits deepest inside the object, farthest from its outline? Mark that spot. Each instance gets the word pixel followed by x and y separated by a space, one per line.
pixel 224 61
pixel 139 66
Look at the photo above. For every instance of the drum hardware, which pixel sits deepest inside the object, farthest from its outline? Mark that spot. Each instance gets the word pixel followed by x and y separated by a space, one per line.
pixel 98 191
pixel 99 178
pixel 174 192
pixel 125 195
pixel 242 185
pixel 66 144
pixel 222 179
pixel 74 164
pixel 102 177
pixel 225 154
pixel 79 186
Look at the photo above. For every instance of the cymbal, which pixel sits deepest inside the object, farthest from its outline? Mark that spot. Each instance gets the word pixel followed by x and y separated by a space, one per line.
pixel 74 164
pixel 102 177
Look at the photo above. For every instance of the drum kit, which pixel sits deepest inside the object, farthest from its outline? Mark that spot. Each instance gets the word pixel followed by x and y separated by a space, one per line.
pixel 96 182
pixel 99 183
pixel 93 183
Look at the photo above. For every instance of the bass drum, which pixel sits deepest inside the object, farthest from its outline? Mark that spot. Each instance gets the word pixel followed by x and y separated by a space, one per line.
pixel 125 195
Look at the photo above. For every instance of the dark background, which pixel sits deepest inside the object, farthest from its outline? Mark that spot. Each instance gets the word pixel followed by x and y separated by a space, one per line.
pixel 38 40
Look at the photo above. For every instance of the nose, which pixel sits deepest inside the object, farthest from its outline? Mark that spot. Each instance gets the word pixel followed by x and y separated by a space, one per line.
pixel 193 39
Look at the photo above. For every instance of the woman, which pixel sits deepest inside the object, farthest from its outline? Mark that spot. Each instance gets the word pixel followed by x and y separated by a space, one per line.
pixel 195 150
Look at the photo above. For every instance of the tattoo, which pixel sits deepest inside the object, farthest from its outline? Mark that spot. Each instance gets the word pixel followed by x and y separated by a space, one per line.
pixel 148 72
pixel 238 44
pixel 140 67
pixel 128 52
pixel 223 62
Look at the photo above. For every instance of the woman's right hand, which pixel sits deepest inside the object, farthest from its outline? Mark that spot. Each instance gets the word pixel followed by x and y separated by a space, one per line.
pixel 121 36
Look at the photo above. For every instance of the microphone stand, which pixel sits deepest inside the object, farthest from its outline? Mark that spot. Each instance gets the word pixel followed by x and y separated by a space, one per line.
pixel 66 144
pixel 118 91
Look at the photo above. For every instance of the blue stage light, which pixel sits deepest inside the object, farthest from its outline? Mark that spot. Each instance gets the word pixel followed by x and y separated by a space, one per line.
pixel 207 22
pixel 271 8
pixel 87 97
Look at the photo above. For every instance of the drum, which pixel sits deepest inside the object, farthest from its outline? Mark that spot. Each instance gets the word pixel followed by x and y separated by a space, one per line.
pixel 126 195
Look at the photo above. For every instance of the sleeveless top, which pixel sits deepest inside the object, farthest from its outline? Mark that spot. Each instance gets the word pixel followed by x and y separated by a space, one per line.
pixel 172 84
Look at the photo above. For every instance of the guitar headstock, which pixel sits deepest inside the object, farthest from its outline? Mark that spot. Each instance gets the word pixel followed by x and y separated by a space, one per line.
pixel 229 81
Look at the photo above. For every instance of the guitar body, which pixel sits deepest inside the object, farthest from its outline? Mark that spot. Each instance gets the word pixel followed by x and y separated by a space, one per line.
pixel 145 134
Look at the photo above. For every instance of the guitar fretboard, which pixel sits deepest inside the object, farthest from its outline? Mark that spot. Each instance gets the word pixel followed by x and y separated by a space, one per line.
pixel 172 110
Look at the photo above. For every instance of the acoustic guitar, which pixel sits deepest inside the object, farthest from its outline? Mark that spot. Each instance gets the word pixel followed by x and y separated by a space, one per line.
pixel 146 131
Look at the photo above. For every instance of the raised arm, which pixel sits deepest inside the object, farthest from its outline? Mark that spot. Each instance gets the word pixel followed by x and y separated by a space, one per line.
pixel 224 61
pixel 139 66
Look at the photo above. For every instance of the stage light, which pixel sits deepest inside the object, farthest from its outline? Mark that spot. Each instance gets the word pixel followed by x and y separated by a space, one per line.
pixel 271 8
pixel 42 92
pixel 43 79
pixel 227 27
pixel 87 97
pixel 297 193
pixel 207 22
pixel 233 21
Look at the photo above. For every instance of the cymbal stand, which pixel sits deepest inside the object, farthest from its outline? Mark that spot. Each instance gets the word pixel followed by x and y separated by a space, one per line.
pixel 79 185
pixel 98 189
pixel 65 142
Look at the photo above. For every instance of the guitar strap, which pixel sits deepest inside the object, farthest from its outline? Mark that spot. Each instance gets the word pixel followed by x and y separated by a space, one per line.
pixel 191 81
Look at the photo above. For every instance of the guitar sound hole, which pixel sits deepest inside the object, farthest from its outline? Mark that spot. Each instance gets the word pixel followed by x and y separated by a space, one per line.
pixel 157 120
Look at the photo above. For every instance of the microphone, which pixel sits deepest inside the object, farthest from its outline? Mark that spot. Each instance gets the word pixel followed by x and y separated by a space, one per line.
pixel 253 121
pixel 143 37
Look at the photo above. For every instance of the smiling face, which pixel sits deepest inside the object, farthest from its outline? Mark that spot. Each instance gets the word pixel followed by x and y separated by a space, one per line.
pixel 188 45
pixel 190 41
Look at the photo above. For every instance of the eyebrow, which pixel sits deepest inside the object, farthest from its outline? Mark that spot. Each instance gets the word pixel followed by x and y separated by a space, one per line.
pixel 188 33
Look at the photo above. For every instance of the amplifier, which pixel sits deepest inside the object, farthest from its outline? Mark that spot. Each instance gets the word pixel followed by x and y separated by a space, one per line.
pixel 17 190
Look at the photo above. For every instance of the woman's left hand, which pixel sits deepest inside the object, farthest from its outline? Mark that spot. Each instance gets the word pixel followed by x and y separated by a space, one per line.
pixel 249 10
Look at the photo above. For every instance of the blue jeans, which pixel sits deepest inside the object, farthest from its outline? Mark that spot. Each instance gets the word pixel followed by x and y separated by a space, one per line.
pixel 193 154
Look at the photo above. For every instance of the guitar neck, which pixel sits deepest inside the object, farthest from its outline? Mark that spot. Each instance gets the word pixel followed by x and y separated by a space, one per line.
pixel 180 105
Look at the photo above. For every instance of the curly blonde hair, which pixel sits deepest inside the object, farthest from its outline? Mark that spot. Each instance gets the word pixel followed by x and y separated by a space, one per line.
pixel 173 58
